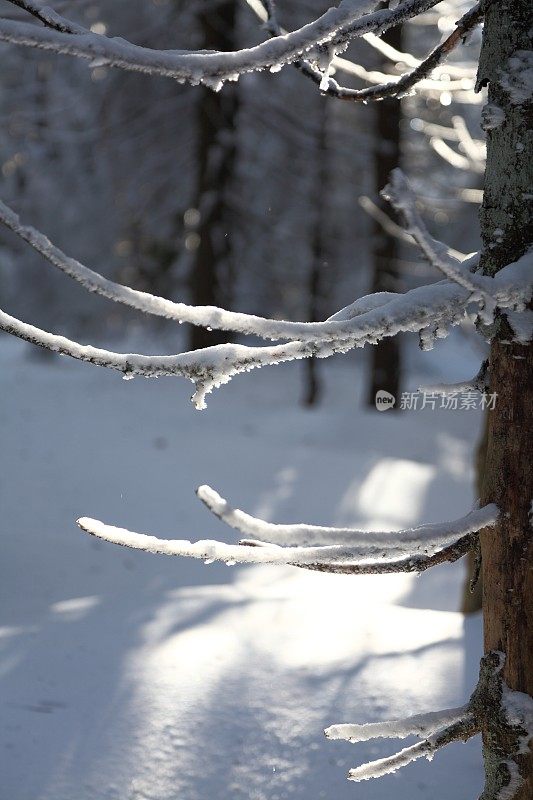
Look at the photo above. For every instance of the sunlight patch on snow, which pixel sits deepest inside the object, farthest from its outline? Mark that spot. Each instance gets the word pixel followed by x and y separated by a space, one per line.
pixel 8 631
pixel 218 683
pixel 76 607
pixel 391 495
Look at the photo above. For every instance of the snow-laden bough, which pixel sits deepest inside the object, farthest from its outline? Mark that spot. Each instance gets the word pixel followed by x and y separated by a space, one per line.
pixel 428 310
pixel 336 27
pixel 491 700
pixel 354 551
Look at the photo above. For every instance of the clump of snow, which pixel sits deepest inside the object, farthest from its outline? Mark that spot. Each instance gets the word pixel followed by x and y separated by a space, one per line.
pixel 492 116
pixel 522 324
pixel 517 79
pixel 515 781
pixel 518 708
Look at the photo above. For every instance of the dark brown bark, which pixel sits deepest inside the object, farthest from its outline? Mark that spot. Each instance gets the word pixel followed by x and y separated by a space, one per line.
pixel 211 275
pixel 472 600
pixel 385 366
pixel 506 230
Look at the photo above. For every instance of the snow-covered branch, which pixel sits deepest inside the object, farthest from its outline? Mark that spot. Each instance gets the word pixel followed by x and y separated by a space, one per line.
pixel 402 86
pixel 491 706
pixel 402 197
pixel 336 27
pixel 396 56
pixel 404 541
pixel 429 310
pixel 393 229
pixel 418 725
pixel 479 383
pixel 463 729
pixel 205 316
pixel 48 16
pixel 367 552
pixel 397 87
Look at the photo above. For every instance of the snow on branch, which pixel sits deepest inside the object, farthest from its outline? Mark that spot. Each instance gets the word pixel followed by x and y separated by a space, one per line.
pixel 385 553
pixel 336 28
pixel 417 725
pixel 317 69
pixel 491 707
pixel 400 194
pixel 48 16
pixel 463 729
pixel 429 310
pixel 205 316
pixel 404 541
pixel 403 85
pixel 393 229
pixel 479 383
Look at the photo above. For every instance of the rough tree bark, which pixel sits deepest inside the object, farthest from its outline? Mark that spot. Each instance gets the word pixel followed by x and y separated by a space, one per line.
pixel 385 363
pixel 211 270
pixel 472 600
pixel 506 231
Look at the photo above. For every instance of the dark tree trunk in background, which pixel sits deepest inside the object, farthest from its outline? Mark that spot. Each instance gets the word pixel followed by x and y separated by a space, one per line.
pixel 211 274
pixel 506 224
pixel 385 363
pixel 319 263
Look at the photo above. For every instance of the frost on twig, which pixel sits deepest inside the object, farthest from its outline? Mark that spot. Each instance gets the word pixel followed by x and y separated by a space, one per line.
pixel 364 552
pixel 400 194
pixel 397 87
pixel 393 229
pixel 492 706
pixel 48 17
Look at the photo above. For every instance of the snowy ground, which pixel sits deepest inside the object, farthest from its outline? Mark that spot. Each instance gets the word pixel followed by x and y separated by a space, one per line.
pixel 128 676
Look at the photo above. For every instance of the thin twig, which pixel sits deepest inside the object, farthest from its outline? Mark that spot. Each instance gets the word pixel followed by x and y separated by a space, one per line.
pixel 48 17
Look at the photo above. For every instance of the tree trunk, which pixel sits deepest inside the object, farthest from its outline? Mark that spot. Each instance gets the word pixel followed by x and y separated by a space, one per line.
pixel 211 275
pixel 313 388
pixel 506 552
pixel 385 356
pixel 473 596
